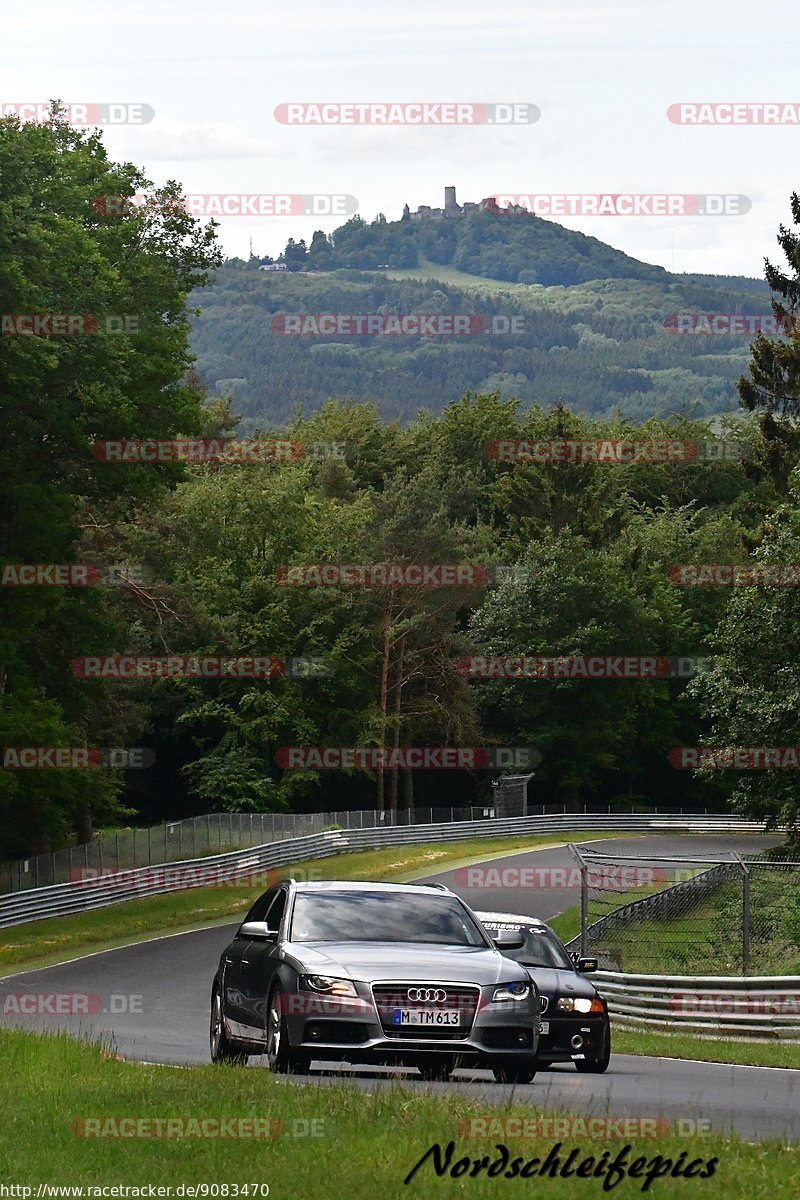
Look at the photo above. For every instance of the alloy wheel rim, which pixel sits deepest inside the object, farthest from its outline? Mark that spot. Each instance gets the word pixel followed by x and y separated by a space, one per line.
pixel 216 1025
pixel 273 1033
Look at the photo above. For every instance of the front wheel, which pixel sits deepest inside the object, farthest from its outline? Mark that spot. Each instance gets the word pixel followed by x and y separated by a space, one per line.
pixel 514 1073
pixel 596 1066
pixel 280 1056
pixel 223 1049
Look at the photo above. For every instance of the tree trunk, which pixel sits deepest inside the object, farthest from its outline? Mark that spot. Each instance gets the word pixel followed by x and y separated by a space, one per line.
pixel 84 831
pixel 408 793
pixel 398 692
pixel 387 625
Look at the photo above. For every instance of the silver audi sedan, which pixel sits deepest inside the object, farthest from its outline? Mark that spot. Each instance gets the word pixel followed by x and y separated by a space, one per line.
pixel 373 973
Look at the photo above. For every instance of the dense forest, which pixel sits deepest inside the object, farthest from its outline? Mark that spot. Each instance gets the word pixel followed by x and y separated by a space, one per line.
pixel 578 557
pixel 601 346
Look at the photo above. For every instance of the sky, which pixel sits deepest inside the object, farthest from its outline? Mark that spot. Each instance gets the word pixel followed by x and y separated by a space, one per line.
pixel 601 75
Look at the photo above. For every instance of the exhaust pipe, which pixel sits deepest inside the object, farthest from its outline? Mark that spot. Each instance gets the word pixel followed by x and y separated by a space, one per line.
pixel 577 1042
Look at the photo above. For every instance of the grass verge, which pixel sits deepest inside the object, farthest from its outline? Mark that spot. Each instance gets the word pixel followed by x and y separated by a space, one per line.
pixel 39 943
pixel 364 1144
pixel 685 1045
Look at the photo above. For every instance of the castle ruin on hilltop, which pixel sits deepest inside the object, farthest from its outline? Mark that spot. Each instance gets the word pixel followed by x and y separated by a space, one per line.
pixel 453 209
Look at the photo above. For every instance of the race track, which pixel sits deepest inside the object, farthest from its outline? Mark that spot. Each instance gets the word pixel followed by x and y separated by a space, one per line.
pixel 167 982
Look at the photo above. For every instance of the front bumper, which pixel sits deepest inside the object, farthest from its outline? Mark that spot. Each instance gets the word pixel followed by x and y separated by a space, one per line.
pixel 559 1044
pixel 363 1029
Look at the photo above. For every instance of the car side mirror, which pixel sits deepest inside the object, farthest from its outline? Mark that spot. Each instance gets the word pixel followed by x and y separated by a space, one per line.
pixel 509 939
pixel 586 965
pixel 258 929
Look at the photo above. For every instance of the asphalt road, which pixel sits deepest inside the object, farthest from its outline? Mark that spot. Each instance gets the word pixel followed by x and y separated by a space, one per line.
pixel 151 1001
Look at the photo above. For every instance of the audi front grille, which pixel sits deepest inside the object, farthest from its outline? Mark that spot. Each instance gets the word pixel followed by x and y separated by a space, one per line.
pixel 463 997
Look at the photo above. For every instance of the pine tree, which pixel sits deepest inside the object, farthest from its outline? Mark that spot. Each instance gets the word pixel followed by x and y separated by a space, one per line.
pixel 773 388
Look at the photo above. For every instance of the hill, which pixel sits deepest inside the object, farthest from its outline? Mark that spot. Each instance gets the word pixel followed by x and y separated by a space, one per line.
pixel 598 343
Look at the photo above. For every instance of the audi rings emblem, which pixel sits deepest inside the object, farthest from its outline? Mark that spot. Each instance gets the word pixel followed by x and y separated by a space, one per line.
pixel 427 995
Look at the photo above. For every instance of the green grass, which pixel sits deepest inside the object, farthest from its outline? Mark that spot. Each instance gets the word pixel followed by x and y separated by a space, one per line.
pixel 366 1143
pixel 443 273
pixel 567 924
pixel 685 1045
pixel 57 939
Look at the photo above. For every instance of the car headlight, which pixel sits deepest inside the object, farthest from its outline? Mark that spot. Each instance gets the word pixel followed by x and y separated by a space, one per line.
pixel 580 1004
pixel 518 990
pixel 327 985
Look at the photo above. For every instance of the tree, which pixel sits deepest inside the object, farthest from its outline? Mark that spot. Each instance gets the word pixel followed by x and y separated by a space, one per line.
pixel 566 599
pixel 773 388
pixel 68 246
pixel 752 696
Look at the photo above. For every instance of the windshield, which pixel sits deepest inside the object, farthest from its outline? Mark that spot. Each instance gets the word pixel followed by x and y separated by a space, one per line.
pixel 542 948
pixel 383 917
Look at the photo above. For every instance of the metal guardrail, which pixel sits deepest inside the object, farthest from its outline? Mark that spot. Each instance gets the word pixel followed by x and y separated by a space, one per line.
pixel 209 833
pixel 712 1006
pixel 239 866
pixel 216 833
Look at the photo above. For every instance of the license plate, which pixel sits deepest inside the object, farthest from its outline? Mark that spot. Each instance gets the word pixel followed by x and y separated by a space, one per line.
pixel 425 1016
pixel 544 1027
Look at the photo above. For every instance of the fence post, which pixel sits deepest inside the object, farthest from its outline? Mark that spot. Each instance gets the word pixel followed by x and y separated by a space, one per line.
pixel 584 909
pixel 745 919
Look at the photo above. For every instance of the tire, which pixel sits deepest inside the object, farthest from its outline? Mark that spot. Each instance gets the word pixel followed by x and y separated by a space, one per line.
pixel 281 1059
pixel 439 1068
pixel 223 1050
pixel 596 1066
pixel 514 1073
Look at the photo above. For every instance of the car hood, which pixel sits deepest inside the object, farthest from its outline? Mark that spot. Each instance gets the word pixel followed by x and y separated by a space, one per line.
pixel 405 961
pixel 551 982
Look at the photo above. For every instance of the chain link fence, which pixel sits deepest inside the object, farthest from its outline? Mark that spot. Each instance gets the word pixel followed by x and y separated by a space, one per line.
pixel 711 916
pixel 197 837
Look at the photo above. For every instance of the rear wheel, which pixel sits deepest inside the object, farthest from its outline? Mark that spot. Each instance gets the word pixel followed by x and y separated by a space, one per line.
pixel 514 1073
pixel 223 1050
pixel 280 1056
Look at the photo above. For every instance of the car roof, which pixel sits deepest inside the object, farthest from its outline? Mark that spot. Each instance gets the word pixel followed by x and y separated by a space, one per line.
pixel 510 918
pixel 348 885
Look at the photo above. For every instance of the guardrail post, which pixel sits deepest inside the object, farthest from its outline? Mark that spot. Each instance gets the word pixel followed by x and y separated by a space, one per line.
pixel 584 909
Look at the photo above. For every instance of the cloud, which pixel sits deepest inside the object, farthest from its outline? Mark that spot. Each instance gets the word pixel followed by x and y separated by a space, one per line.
pixel 175 141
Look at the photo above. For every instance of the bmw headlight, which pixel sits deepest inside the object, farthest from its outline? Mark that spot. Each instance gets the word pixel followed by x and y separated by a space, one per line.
pixel 580 1004
pixel 326 985
pixel 518 990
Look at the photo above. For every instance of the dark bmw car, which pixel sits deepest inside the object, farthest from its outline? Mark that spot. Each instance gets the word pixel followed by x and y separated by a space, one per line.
pixel 373 973
pixel 574 1019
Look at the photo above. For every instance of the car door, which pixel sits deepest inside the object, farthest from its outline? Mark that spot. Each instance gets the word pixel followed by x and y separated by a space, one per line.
pixel 259 963
pixel 234 962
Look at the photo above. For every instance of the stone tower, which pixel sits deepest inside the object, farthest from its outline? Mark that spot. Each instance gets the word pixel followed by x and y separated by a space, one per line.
pixel 450 204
